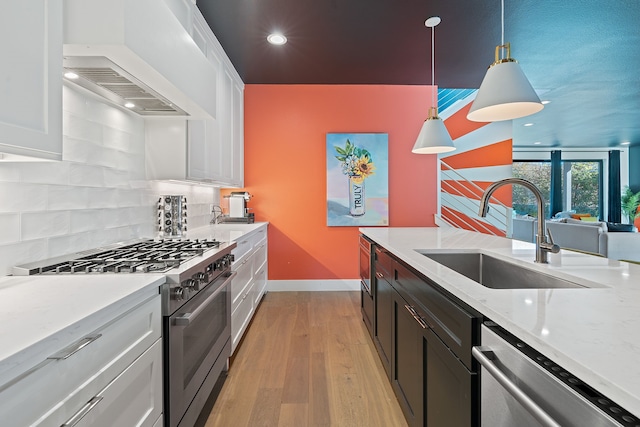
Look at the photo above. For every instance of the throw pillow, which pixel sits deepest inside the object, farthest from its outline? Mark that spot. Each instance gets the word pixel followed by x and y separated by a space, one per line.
pixel 578 216
pixel 616 227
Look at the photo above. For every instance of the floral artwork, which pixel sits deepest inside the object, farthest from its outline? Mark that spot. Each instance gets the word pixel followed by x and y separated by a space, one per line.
pixel 357 179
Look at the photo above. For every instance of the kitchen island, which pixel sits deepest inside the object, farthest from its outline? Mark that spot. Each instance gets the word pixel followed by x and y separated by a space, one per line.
pixel 593 332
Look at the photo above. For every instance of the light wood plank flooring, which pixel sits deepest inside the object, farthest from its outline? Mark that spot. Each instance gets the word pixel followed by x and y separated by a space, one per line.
pixel 307 360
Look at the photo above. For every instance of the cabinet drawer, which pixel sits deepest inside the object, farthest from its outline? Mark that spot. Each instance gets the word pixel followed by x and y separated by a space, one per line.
pixel 260 284
pixel 383 264
pixel 247 243
pixel 260 254
pixel 241 282
pixel 453 325
pixel 134 398
pixel 55 392
pixel 241 316
pixel 244 245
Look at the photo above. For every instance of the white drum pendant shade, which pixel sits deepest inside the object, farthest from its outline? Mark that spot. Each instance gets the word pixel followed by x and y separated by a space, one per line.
pixel 505 94
pixel 433 138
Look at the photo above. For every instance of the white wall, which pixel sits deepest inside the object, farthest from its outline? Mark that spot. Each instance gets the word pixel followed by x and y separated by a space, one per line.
pixel 96 196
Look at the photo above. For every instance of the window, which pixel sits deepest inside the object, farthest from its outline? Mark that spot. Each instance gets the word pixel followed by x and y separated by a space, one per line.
pixel 582 185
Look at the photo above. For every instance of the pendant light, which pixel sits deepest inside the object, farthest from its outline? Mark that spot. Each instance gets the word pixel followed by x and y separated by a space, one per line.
pixel 433 137
pixel 505 92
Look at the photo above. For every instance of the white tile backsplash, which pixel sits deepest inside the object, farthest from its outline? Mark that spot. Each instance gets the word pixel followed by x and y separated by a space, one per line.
pixel 39 225
pixel 45 173
pixel 19 197
pixel 96 196
pixel 11 228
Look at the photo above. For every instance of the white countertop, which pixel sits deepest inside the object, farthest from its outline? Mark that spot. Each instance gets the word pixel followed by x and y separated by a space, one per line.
pixel 224 232
pixel 593 333
pixel 40 315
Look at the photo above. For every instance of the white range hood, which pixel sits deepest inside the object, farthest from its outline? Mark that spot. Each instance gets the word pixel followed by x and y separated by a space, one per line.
pixel 138 50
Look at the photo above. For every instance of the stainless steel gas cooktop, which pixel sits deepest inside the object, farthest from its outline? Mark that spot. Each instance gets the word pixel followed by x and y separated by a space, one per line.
pixel 146 256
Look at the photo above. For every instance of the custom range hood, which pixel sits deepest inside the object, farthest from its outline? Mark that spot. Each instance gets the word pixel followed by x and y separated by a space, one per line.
pixel 138 51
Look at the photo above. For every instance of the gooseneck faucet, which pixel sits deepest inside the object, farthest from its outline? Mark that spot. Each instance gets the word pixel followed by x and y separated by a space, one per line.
pixel 543 246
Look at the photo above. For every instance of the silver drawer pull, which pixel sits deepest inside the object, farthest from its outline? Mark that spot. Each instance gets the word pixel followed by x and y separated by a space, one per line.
pixel 379 275
pixel 415 316
pixel 484 355
pixel 65 353
pixel 75 419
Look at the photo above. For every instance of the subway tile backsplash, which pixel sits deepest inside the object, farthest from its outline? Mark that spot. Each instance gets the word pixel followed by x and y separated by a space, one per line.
pixel 96 196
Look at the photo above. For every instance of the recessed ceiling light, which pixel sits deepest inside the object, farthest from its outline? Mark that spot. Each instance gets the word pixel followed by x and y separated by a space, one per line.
pixel 545 102
pixel 276 38
pixel 537 143
pixel 71 75
pixel 528 124
pixel 625 143
pixel 129 105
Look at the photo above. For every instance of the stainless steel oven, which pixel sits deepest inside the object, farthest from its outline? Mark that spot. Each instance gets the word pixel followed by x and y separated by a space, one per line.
pixel 198 337
pixel 366 271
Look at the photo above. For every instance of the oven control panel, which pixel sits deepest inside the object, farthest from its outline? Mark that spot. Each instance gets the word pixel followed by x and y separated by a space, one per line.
pixel 190 286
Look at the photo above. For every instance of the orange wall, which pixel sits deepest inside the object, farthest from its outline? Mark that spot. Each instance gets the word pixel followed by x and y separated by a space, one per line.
pixel 285 168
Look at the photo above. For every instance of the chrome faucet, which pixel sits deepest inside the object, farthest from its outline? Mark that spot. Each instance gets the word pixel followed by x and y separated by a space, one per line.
pixel 543 246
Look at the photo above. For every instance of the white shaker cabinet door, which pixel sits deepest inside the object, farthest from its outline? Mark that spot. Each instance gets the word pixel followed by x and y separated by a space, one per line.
pixel 237 123
pixel 31 79
pixel 134 398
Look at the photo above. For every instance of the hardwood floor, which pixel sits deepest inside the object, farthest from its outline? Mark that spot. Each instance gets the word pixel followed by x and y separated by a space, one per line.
pixel 307 360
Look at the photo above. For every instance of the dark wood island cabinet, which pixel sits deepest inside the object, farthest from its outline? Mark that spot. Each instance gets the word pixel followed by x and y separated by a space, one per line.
pixel 424 339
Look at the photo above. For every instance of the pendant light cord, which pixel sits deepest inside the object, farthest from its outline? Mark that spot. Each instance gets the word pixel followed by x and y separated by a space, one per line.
pixel 433 65
pixel 502 19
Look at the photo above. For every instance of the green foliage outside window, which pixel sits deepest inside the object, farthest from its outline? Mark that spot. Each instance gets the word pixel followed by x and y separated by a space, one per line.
pixel 585 186
pixel 630 202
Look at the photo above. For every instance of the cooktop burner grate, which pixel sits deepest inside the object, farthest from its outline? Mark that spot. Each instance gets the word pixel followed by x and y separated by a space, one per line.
pixel 149 256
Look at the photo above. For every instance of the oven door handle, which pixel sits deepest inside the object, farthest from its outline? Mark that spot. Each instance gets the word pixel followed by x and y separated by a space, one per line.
pixel 485 357
pixel 187 318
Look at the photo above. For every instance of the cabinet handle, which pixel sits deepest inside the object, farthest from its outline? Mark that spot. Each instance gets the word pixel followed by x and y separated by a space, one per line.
pixel 75 419
pixel 379 275
pixel 65 353
pixel 415 316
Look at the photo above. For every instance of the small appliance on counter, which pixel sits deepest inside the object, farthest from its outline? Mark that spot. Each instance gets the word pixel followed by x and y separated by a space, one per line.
pixel 172 216
pixel 238 210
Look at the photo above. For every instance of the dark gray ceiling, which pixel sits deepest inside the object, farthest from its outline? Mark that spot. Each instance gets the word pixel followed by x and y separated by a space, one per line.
pixel 582 55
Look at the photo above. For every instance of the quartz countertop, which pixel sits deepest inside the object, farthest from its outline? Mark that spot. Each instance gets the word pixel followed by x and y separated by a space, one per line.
pixel 40 315
pixel 592 332
pixel 224 232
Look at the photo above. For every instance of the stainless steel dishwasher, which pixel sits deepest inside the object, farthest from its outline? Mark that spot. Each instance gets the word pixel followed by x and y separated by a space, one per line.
pixel 521 387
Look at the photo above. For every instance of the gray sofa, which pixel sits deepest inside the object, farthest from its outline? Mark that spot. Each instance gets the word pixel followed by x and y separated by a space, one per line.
pixel 592 237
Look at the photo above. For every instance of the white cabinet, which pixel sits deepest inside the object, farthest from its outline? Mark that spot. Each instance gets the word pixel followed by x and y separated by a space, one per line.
pixel 134 398
pixel 113 374
pixel 31 79
pixel 209 150
pixel 250 283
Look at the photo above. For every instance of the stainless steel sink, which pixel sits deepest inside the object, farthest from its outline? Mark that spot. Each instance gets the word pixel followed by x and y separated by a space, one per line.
pixel 495 273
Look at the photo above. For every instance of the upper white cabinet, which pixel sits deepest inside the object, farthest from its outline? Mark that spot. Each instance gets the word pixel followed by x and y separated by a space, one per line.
pixel 31 79
pixel 209 150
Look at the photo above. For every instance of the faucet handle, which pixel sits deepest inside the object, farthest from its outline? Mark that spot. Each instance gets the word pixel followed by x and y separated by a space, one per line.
pixel 549 245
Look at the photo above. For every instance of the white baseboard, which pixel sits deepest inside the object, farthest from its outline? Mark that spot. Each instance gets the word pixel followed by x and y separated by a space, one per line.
pixel 313 285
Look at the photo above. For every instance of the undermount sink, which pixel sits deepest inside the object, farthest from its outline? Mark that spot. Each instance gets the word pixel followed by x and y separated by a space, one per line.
pixel 495 273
